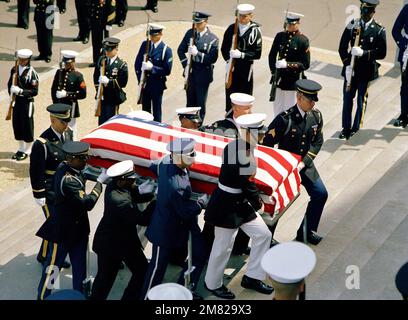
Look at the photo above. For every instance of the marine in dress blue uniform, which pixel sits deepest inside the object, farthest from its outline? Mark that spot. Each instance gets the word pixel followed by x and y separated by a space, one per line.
pixel 289 57
pixel 175 215
pixel 204 54
pixel 371 48
pixel 116 237
pixel 249 48
pixel 299 130
pixel 401 24
pixel 114 80
pixel 157 68
pixel 23 110
pixel 233 205
pixel 67 229
pixel 46 155
pixel 69 86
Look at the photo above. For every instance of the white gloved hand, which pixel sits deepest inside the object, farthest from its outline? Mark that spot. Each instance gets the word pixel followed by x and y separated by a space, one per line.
pixel 203 200
pixel 300 166
pixel 147 66
pixel 348 73
pixel 146 187
pixel 103 80
pixel 40 201
pixel 192 50
pixel 108 28
pixel 16 90
pixel 357 51
pixel 61 94
pixel 235 54
pixel 103 177
pixel 281 64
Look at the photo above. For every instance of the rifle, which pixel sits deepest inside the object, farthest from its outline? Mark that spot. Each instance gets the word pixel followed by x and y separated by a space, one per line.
pixel 143 77
pixel 353 59
pixel 275 75
pixel 231 61
pixel 187 69
pixel 99 96
pixel 15 83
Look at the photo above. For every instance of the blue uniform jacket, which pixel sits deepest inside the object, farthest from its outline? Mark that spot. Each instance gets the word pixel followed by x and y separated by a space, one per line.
pixel 162 59
pixel 175 212
pixel 203 62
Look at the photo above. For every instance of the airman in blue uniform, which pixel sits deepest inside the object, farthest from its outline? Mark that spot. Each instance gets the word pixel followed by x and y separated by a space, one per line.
pixel 203 53
pixel 157 68
pixel 175 215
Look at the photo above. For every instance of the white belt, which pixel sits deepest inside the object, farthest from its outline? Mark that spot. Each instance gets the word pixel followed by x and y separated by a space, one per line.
pixel 228 189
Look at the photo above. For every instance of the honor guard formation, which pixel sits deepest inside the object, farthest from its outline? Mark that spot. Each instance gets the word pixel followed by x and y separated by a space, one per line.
pixel 168 207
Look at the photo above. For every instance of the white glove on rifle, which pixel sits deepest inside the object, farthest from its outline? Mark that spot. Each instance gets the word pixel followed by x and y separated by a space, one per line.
pixel 281 64
pixel 203 200
pixel 103 80
pixel 108 28
pixel 235 54
pixel 357 51
pixel 103 177
pixel 300 166
pixel 146 187
pixel 348 73
pixel 61 94
pixel 192 50
pixel 40 201
pixel 16 90
pixel 147 66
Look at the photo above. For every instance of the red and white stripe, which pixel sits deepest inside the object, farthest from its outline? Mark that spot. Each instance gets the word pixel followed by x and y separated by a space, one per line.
pixel 123 138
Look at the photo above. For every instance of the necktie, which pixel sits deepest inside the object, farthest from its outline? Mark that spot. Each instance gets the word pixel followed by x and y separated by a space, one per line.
pixel 62 138
pixel 109 61
pixel 197 36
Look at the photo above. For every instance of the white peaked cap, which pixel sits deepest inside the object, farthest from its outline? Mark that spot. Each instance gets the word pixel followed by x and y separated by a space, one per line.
pixel 123 168
pixel 242 99
pixel 245 8
pixel 289 262
pixel 24 53
pixel 144 115
pixel 169 291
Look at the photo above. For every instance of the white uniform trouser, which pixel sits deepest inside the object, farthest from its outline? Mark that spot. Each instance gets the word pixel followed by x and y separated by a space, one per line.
pixel 284 100
pixel 24 147
pixel 222 247
pixel 73 125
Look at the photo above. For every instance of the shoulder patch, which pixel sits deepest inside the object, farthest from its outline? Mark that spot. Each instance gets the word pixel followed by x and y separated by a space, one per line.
pixel 42 140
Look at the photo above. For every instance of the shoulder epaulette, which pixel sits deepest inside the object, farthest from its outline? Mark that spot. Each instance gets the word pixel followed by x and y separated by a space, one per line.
pixel 42 140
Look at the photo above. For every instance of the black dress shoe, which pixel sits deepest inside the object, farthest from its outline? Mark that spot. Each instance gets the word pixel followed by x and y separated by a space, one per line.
pixel 155 9
pixel 222 292
pixel 78 38
pixel 314 238
pixel 85 40
pixel 242 252
pixel 353 132
pixel 47 59
pixel 401 122
pixel 255 284
pixel 344 134
pixel 121 23
pixel 17 154
pixel 66 265
pixel 22 156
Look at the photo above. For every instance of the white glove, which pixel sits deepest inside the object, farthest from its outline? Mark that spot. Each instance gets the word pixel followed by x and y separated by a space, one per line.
pixel 16 90
pixel 192 50
pixel 108 28
pixel 348 73
pixel 147 66
pixel 103 177
pixel 146 187
pixel 357 51
pixel 40 201
pixel 103 80
pixel 61 94
pixel 281 64
pixel 235 54
pixel 300 166
pixel 203 200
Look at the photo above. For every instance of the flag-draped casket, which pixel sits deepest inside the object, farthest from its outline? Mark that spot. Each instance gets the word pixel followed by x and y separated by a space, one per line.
pixel 124 137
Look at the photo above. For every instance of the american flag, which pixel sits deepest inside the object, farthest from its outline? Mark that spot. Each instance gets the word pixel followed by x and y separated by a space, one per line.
pixel 124 137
